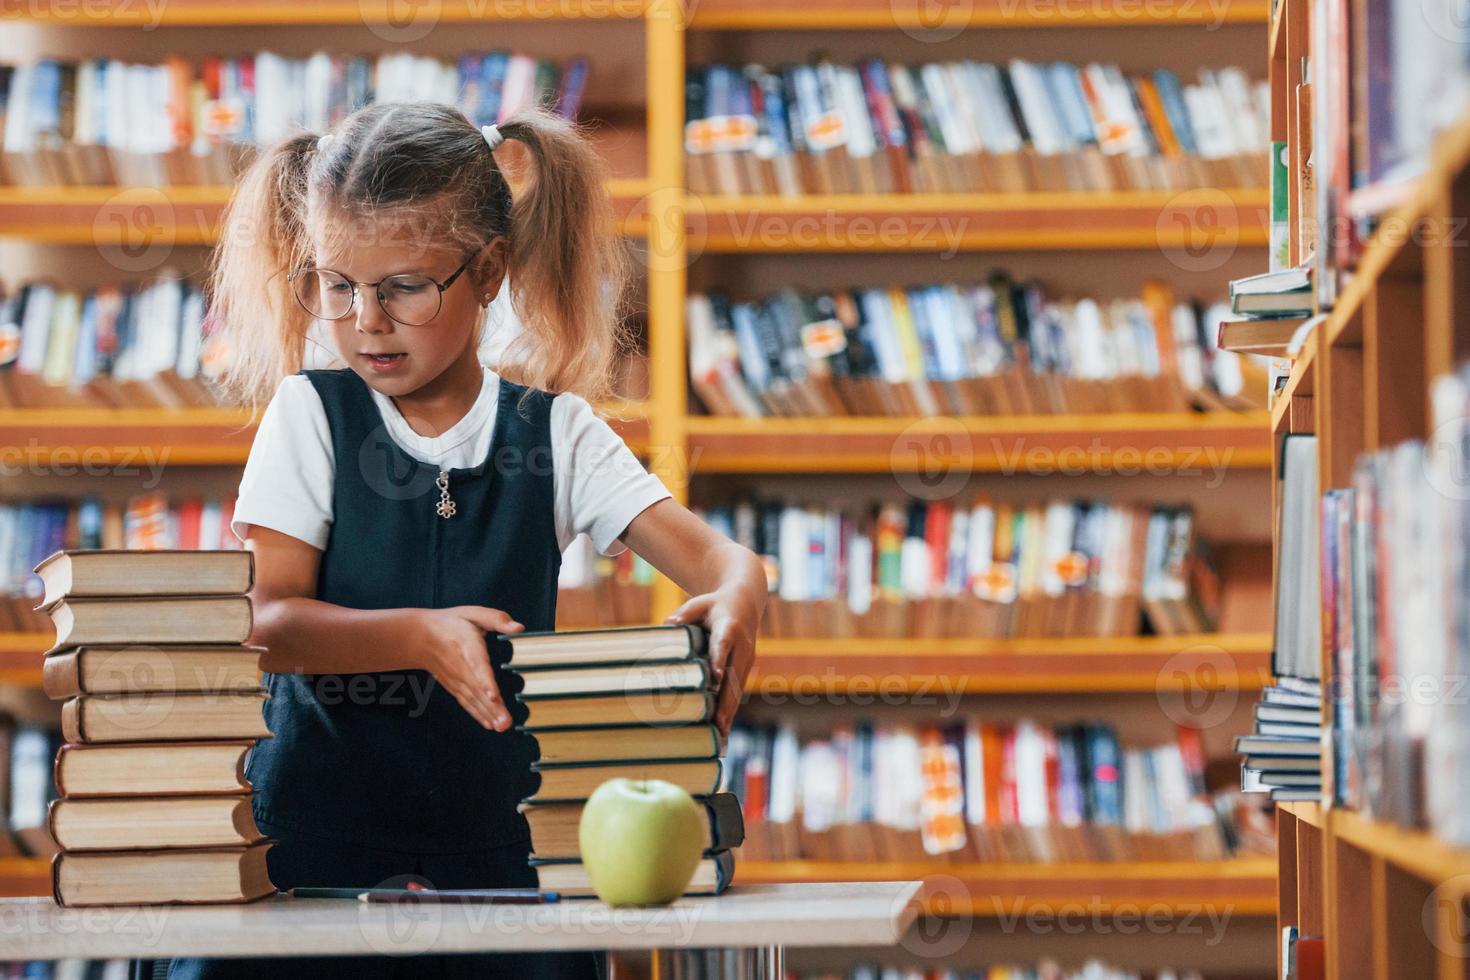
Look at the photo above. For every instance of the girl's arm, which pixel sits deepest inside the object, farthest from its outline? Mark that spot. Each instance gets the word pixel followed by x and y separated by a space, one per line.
pixel 726 581
pixel 304 635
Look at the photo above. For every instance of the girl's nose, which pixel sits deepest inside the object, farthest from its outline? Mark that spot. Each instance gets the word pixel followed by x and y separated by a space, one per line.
pixel 370 316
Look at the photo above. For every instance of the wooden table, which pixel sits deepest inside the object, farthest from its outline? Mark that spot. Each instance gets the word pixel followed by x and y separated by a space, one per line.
pixel 758 920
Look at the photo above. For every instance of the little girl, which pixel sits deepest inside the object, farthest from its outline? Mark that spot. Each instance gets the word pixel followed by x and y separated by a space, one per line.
pixel 405 506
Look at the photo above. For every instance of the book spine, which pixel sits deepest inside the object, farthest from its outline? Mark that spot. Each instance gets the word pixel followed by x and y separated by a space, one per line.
pixel 61 675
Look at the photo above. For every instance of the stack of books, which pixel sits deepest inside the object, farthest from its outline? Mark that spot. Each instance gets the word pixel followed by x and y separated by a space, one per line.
pixel 1284 754
pixel 992 568
pixel 633 703
pixel 102 121
pixel 1001 347
pixel 983 789
pixel 953 127
pixel 162 704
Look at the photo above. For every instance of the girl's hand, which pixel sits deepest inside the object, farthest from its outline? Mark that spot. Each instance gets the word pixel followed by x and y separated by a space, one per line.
pixel 458 658
pixel 731 615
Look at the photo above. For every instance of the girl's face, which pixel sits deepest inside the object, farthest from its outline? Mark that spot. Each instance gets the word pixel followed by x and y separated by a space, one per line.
pixel 394 358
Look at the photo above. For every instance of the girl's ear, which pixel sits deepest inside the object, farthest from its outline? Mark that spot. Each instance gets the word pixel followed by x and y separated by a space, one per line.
pixel 487 271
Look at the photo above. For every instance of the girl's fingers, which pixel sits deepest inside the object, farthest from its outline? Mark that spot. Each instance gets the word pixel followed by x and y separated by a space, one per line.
pixel 490 620
pixel 692 611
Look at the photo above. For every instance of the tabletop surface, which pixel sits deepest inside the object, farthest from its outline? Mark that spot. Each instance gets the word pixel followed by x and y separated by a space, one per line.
pixel 825 914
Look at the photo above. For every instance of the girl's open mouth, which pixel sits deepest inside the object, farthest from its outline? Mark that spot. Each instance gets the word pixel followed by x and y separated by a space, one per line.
pixel 385 361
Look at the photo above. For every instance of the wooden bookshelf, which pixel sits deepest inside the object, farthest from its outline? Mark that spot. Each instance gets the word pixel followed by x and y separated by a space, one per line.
pixel 140 216
pixel 1050 443
pixel 1389 901
pixel 24 876
pixel 677 228
pixel 949 223
pixel 1243 886
pixel 842 444
pixel 1076 664
pixel 771 15
pixel 230 13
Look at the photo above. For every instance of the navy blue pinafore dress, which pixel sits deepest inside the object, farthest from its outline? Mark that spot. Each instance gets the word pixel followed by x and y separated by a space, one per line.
pixel 372 777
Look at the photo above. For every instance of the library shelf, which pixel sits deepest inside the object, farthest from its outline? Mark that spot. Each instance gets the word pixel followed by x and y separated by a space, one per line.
pixel 159 217
pixel 24 876
pixel 1123 442
pixel 762 15
pixel 1225 662
pixel 51 438
pixel 20 657
pixel 1237 886
pixel 1208 223
pixel 265 13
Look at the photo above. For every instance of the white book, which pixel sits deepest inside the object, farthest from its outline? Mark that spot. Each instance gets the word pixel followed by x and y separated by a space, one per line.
pixel 1091 356
pixel 1031 791
pixel 35 328
pixel 519 91
pixel 914 568
pixel 84 111
pixel 785 774
pixel 272 98
pixel 1060 525
pixel 1235 91
pixel 191 334
pixel 792 553
pixel 820 787
pixel 1211 132
pixel 317 94
pixel 18 135
pixel 979 552
pixel 860 573
pixel 932 76
pixel 857 124
pixel 1036 108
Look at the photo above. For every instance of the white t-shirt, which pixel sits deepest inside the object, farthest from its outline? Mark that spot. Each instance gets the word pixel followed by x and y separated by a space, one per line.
pixel 600 485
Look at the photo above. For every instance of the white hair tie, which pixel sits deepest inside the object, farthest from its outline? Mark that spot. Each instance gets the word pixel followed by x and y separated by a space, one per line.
pixel 493 136
pixel 322 141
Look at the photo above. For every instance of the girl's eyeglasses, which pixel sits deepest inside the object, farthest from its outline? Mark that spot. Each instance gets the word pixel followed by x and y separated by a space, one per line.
pixel 406 298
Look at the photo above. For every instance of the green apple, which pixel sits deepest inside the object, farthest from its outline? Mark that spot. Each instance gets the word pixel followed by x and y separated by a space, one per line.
pixel 641 840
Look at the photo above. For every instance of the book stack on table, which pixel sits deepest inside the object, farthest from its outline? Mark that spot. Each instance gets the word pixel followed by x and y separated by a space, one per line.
pixel 634 703
pixel 162 704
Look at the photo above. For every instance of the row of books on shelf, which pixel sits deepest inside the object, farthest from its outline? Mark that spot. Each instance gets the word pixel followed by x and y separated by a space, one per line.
pixel 1382 83
pixel 68 969
pixel 981 790
pixel 112 347
pixel 595 590
pixel 1046 969
pixel 989 568
pixel 997 348
pixel 102 121
pixel 1372 579
pixel 879 127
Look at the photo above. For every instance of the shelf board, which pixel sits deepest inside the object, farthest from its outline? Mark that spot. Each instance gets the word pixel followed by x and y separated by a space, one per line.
pixel 1417 852
pixel 151 438
pixel 1073 664
pixel 231 13
pixel 1124 442
pixel 1244 886
pixel 1193 220
pixel 756 15
pixel 1299 382
pixel 24 876
pixel 138 217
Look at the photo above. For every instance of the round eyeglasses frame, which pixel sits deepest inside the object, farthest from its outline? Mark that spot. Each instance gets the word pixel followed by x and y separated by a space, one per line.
pixel 378 291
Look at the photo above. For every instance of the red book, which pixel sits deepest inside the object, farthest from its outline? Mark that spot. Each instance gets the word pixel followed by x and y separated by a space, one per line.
pixel 190 514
